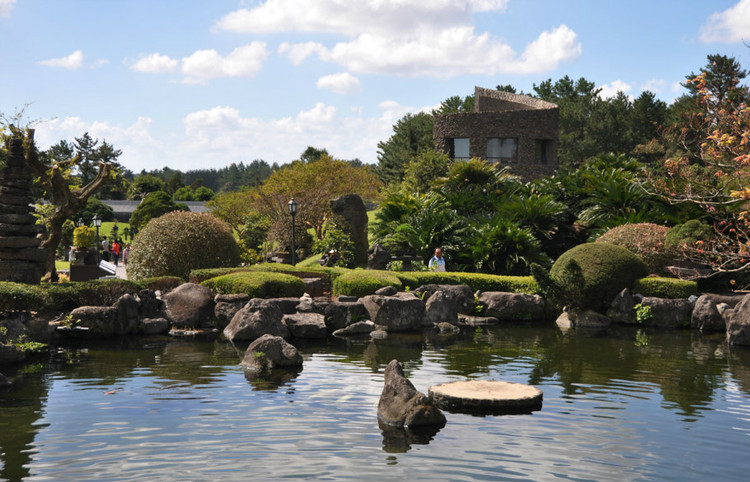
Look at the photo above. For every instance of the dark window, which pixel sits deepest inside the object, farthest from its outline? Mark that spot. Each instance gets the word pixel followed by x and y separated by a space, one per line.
pixel 542 150
pixel 502 149
pixel 460 148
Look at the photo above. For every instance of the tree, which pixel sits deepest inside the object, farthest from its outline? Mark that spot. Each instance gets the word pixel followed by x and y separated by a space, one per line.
pixel 312 154
pixel 68 199
pixel 175 182
pixel 145 184
pixel 421 171
pixel 412 135
pixel 154 205
pixel 455 105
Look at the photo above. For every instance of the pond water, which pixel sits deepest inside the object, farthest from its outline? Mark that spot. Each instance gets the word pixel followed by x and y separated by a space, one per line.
pixel 624 405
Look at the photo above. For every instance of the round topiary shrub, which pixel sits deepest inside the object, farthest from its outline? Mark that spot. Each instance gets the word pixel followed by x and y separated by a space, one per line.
pixel 687 234
pixel 606 269
pixel 645 240
pixel 361 282
pixel 177 242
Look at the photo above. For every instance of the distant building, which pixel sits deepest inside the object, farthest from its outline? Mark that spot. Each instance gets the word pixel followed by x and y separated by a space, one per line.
pixel 124 209
pixel 514 130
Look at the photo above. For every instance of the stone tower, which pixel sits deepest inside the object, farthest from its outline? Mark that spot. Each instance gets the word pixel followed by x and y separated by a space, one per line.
pixel 21 258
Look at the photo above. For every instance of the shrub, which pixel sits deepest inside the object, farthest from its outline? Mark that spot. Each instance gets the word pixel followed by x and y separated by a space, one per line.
pixel 644 239
pixel 666 287
pixel 178 242
pixel 19 297
pixel 84 237
pixel 360 282
pixel 257 284
pixel 165 284
pixel 686 234
pixel 476 281
pixel 605 270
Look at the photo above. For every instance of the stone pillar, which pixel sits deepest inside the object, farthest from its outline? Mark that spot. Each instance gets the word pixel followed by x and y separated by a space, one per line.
pixel 21 258
pixel 353 210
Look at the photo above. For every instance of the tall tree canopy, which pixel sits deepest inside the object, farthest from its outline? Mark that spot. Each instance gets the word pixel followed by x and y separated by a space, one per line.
pixel 412 135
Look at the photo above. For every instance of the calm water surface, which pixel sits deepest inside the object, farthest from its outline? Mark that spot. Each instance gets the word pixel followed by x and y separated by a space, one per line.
pixel 624 405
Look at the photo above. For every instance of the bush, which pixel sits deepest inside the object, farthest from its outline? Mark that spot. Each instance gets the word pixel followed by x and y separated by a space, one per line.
pixel 19 297
pixel 644 239
pixel 476 281
pixel 257 284
pixel 178 242
pixel 360 282
pixel 606 270
pixel 687 234
pixel 666 287
pixel 84 237
pixel 165 284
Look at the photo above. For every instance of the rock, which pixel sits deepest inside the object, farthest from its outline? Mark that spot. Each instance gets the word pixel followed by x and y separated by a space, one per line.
pixel 669 313
pixel 358 328
pixel 353 210
pixel 10 354
pixel 378 257
pixel 341 314
pixel 378 334
pixel 440 308
pixel 401 405
pixel 447 328
pixel 708 309
pixel 189 306
pixel 268 352
pixel 512 306
pixel 99 321
pixel 287 305
pixel 150 305
pixel 486 397
pixel 227 306
pixel 127 313
pixel 395 313
pixel 387 291
pixel 305 304
pixel 347 299
pixel 305 325
pixel 470 320
pixel 257 318
pixel 584 318
pixel 153 326
pixel 461 294
pixel 4 382
pixel 622 308
pixel 738 323
pixel 314 286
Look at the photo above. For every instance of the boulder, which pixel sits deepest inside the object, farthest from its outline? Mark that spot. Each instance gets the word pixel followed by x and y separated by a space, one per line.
pixel 378 257
pixel 440 308
pixel 227 306
pixel 622 308
pixel 150 304
pixel 347 298
pixel 353 210
pixel 97 321
pixel 582 319
pixel 287 305
pixel 512 306
pixel 401 405
pixel 738 323
pixel 708 309
pixel 153 326
pixel 305 325
pixel 257 318
pixel 268 352
pixel 10 354
pixel 395 313
pixel 474 321
pixel 314 286
pixel 339 315
pixel 445 328
pixel 461 294
pixel 669 313
pixel 127 313
pixel 358 328
pixel 189 306
pixel 387 291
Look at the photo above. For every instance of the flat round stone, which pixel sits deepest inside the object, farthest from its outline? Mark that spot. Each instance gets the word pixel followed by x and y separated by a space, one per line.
pixel 486 397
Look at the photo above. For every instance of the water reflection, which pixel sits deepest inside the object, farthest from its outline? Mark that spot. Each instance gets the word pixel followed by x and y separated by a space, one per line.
pixel 400 439
pixel 269 380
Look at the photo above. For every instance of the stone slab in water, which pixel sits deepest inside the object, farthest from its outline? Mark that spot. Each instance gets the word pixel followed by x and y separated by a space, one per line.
pixel 486 397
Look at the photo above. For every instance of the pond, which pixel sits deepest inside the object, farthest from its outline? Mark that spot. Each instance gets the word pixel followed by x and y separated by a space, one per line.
pixel 623 405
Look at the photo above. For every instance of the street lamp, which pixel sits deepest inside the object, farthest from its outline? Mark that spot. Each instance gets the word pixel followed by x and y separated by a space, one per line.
pixel 96 221
pixel 80 222
pixel 293 211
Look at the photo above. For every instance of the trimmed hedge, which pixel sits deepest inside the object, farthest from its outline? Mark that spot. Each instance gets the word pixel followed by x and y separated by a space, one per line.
pixel 645 240
pixel 360 282
pixel 19 297
pixel 659 287
pixel 165 284
pixel 257 284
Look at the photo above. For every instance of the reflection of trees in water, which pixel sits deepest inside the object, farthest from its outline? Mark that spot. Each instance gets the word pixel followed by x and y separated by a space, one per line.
pixel 400 439
pixel 272 380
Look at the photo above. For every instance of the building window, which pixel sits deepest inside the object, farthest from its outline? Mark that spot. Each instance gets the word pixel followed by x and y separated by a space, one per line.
pixel 459 148
pixel 502 149
pixel 542 150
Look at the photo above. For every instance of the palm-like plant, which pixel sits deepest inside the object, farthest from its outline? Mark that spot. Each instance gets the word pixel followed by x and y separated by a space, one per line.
pixel 500 246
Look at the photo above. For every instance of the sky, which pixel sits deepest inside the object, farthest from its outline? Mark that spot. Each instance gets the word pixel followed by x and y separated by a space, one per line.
pixel 192 84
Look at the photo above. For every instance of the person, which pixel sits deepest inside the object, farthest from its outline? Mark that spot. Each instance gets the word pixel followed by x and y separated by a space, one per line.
pixel 126 254
pixel 105 248
pixel 115 251
pixel 437 262
pixel 329 259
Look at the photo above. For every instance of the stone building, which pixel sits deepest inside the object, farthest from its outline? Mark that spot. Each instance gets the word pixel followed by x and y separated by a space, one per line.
pixel 514 130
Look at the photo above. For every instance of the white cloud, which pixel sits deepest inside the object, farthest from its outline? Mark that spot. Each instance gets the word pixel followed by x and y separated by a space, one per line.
pixel 406 37
pixel 341 83
pixel 243 61
pixel 72 61
pixel 611 90
pixel 5 7
pixel 155 64
pixel 731 25
pixel 655 85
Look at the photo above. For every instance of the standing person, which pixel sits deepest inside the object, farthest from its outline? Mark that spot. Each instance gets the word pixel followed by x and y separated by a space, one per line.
pixel 126 254
pixel 437 262
pixel 105 248
pixel 115 251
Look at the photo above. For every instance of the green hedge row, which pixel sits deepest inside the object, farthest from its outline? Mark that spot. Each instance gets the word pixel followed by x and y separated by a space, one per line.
pixel 66 296
pixel 257 284
pixel 360 282
pixel 659 287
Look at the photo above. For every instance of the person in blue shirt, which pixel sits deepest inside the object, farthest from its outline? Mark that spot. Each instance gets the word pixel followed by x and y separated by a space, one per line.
pixel 437 262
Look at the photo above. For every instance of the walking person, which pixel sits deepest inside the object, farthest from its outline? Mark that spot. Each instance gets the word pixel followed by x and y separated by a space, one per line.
pixel 115 251
pixel 437 262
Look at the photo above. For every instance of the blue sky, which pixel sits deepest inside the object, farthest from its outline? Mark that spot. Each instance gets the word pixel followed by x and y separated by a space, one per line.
pixel 201 84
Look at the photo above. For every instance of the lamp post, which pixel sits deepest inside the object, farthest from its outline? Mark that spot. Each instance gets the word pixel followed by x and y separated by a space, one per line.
pixel 96 221
pixel 80 222
pixel 293 211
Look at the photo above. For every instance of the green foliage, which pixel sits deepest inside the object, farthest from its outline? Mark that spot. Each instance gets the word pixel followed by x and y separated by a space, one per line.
pixel 364 282
pixel 605 268
pixel 476 281
pixel 688 234
pixel 84 237
pixel 95 207
pixel 643 313
pixel 502 247
pixel 178 242
pixel 412 135
pixel 338 239
pixel 565 288
pixel 165 284
pixel 422 170
pixel 659 287
pixel 18 297
pixel 145 184
pixel 257 284
pixel 644 239
pixel 154 205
